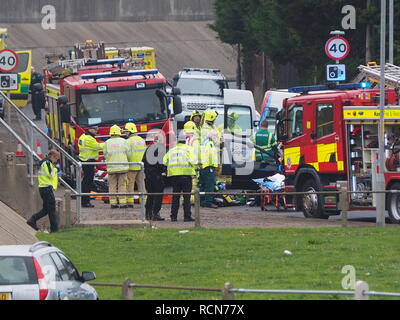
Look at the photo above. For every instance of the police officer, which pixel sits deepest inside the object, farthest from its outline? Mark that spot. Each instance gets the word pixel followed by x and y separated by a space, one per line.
pixel 267 142
pixel 88 152
pixel 153 169
pixel 37 94
pixel 48 183
pixel 180 164
pixel 136 150
pixel 116 150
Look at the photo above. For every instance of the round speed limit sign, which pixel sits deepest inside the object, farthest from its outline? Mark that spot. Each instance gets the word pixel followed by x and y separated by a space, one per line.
pixel 8 60
pixel 337 48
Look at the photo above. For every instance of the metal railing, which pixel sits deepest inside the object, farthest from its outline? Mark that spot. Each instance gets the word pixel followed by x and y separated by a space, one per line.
pixel 360 292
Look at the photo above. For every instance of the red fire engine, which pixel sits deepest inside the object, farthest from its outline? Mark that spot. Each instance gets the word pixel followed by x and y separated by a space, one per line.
pixel 103 93
pixel 331 136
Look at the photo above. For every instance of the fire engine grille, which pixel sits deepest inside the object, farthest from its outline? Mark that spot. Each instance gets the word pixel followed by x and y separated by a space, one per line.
pixel 199 106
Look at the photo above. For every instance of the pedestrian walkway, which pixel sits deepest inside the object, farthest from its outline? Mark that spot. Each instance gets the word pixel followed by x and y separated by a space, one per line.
pixel 13 228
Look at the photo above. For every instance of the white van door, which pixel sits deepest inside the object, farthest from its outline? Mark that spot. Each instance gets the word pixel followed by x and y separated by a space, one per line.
pixel 237 151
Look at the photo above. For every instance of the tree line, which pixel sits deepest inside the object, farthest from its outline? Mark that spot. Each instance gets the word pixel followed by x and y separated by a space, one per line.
pixel 295 32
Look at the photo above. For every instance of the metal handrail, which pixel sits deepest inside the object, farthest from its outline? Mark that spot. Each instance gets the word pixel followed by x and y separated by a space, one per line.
pixel 34 126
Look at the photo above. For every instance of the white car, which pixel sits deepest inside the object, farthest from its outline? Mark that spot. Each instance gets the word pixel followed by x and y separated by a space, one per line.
pixel 41 272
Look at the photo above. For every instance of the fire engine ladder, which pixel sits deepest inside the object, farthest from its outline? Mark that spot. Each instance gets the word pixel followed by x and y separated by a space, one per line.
pixel 372 73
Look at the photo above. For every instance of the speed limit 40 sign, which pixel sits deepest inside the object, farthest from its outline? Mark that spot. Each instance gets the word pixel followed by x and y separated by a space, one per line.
pixel 8 60
pixel 337 48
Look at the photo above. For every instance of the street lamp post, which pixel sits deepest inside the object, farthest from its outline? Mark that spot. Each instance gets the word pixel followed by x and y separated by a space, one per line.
pixel 380 185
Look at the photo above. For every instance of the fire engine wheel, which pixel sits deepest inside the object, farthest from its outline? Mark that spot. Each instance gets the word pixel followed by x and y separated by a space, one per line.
pixel 394 204
pixel 312 203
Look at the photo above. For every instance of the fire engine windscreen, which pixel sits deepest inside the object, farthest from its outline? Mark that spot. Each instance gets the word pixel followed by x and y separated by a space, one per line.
pixel 209 87
pixel 118 107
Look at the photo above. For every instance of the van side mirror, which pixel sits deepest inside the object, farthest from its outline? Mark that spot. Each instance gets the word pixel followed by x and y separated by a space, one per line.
pixel 177 105
pixel 256 123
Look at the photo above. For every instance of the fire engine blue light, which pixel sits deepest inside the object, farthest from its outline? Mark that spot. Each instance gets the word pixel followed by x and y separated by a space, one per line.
pixel 365 85
pixel 199 69
pixel 115 74
pixel 331 86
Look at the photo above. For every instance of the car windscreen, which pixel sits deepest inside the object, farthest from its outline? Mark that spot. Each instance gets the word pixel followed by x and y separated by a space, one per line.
pixel 119 107
pixel 212 87
pixel 17 271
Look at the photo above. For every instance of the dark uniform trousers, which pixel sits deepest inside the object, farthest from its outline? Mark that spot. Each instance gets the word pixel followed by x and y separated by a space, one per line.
pixel 49 208
pixel 207 184
pixel 154 184
pixel 181 184
pixel 87 181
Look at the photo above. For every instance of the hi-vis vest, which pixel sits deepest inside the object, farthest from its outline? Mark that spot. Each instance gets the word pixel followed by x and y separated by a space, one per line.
pixel 89 147
pixel 265 140
pixel 209 154
pixel 116 150
pixel 47 174
pixel 194 142
pixel 180 161
pixel 136 150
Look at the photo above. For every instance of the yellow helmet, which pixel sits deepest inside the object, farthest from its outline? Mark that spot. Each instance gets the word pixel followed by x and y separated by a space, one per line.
pixel 233 116
pixel 190 127
pixel 115 130
pixel 131 127
pixel 194 114
pixel 210 115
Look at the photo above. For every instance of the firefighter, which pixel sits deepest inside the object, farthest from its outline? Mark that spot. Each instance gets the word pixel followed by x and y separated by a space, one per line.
pixel 137 148
pixel 88 152
pixel 208 127
pixel 195 117
pixel 48 183
pixel 153 169
pixel 116 150
pixel 180 162
pixel 232 122
pixel 267 142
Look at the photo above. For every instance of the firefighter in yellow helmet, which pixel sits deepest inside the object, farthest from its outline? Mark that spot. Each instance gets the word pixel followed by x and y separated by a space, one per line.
pixel 116 150
pixel 209 150
pixel 195 117
pixel 192 140
pixel 48 183
pixel 232 122
pixel 89 150
pixel 136 150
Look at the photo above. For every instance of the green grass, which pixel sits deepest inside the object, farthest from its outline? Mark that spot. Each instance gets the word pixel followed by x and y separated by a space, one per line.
pixel 248 258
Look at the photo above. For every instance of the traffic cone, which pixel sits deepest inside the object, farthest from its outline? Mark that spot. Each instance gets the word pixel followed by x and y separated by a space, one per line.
pixel 39 150
pixel 19 152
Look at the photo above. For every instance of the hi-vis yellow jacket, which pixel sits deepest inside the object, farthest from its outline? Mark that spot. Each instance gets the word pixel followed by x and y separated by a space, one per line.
pixel 48 174
pixel 89 147
pixel 180 161
pixel 136 150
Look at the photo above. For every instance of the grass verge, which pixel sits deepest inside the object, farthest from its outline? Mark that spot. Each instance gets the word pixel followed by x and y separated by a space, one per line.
pixel 248 258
